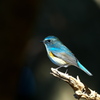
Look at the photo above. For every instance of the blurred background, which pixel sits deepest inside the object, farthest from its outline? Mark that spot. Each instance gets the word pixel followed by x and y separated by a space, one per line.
pixel 24 65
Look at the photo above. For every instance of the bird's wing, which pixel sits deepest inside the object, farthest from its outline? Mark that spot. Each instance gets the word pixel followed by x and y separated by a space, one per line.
pixel 67 56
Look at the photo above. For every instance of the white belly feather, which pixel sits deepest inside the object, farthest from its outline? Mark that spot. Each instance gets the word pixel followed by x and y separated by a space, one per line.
pixel 56 60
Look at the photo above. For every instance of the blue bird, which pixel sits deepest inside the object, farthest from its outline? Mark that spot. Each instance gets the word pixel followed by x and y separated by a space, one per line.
pixel 60 55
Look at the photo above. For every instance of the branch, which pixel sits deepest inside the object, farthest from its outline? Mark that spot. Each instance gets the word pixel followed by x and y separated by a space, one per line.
pixel 81 90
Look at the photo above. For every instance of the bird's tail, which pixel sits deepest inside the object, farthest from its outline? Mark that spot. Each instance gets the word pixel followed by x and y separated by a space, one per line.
pixel 83 68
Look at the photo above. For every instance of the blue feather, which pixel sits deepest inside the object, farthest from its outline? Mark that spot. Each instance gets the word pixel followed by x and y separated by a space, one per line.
pixel 83 68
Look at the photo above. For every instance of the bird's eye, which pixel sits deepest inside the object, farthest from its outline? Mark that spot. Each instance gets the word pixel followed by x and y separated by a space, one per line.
pixel 48 40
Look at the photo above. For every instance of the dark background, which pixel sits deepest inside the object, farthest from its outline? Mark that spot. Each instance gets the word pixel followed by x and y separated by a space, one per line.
pixel 24 65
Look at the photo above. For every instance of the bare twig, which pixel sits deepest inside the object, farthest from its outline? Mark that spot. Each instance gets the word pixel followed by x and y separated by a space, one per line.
pixel 81 90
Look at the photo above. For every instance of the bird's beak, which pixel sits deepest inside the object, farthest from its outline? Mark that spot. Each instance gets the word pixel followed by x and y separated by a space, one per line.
pixel 42 41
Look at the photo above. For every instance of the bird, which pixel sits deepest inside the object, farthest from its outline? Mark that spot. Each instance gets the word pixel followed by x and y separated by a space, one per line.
pixel 60 55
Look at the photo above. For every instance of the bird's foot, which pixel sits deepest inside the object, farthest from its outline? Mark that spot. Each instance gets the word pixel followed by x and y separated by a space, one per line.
pixel 58 67
pixel 66 72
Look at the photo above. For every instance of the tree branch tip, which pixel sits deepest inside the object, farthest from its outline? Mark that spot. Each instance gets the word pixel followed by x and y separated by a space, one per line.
pixel 53 69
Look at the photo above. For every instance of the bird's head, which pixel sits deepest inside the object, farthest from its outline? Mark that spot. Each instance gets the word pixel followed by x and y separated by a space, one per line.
pixel 51 41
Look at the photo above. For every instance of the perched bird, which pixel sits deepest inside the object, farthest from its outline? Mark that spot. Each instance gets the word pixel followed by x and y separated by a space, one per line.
pixel 60 55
